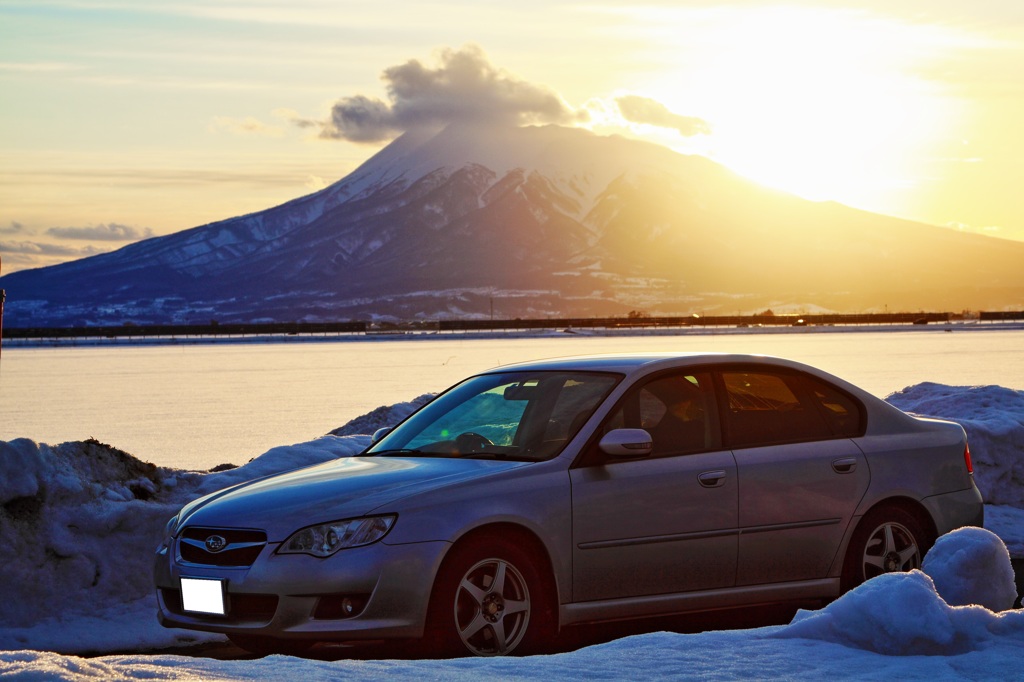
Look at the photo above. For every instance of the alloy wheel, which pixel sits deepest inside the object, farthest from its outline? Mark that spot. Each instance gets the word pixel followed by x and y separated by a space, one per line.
pixel 891 547
pixel 492 607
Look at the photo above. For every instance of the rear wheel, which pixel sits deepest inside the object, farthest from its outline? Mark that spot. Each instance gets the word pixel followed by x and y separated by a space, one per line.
pixel 489 600
pixel 887 540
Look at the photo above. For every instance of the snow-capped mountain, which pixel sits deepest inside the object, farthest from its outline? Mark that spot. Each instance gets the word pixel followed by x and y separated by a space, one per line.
pixel 526 222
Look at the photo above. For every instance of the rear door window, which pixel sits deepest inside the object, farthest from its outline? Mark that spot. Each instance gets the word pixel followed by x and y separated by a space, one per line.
pixel 763 408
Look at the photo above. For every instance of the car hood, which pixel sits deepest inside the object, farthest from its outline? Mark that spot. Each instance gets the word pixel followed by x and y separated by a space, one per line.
pixel 340 489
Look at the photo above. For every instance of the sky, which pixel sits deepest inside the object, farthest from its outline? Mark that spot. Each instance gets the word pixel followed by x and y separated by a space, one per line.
pixel 127 119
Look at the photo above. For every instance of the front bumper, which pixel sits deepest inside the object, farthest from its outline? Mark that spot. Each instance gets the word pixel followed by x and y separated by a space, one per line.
pixel 292 595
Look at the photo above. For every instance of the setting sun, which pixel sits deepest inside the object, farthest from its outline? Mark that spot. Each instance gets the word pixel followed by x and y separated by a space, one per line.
pixel 825 104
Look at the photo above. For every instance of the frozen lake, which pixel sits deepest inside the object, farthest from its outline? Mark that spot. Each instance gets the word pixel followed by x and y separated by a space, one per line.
pixel 196 406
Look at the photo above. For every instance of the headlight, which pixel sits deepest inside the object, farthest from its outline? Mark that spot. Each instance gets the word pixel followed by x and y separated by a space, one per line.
pixel 327 538
pixel 168 533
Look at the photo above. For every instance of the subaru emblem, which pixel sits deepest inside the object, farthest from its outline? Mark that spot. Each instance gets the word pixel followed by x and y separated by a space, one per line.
pixel 215 543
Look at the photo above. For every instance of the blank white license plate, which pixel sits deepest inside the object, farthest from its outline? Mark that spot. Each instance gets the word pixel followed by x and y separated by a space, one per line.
pixel 202 595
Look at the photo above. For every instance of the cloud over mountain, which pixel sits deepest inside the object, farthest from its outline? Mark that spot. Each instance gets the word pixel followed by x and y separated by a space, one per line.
pixel 43 249
pixel 465 87
pixel 646 110
pixel 110 232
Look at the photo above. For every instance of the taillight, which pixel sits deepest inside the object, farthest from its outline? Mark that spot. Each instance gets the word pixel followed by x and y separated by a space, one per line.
pixel 967 458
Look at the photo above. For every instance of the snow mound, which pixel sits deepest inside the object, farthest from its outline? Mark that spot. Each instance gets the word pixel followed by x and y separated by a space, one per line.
pixel 993 418
pixel 902 614
pixel 382 417
pixel 972 566
pixel 79 523
pixel 281 459
pixel 71 515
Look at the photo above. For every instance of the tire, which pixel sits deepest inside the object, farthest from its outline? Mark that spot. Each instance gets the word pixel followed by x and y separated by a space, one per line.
pixel 489 599
pixel 262 645
pixel 887 540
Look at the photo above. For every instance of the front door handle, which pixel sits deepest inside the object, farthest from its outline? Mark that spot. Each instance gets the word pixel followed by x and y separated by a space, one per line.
pixel 844 465
pixel 712 479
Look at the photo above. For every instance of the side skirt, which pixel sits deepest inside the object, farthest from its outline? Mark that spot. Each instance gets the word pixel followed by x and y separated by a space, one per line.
pixel 689 602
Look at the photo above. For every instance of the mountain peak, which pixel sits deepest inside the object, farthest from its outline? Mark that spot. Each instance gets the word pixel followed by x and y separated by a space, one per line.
pixel 536 220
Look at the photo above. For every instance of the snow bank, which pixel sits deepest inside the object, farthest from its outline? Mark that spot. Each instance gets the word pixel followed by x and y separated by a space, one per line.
pixel 957 561
pixel 960 602
pixel 382 417
pixel 901 614
pixel 1008 523
pixel 993 418
pixel 84 519
pixel 79 524
pixel 74 519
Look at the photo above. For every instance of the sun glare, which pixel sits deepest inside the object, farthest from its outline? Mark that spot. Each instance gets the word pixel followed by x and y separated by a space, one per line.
pixel 822 103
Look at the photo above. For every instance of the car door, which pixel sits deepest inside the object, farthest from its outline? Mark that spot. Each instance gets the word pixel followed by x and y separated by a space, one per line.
pixel 800 475
pixel 665 523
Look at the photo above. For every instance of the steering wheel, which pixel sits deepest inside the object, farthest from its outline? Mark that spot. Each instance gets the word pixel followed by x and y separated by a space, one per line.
pixel 470 442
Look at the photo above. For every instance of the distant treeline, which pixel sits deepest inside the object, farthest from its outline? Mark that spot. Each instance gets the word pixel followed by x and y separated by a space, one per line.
pixel 630 322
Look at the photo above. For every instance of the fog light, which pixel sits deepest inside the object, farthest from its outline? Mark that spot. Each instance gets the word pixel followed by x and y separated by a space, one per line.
pixel 339 607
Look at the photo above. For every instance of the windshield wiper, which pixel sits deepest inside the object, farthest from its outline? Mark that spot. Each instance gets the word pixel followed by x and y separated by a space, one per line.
pixel 402 451
pixel 504 456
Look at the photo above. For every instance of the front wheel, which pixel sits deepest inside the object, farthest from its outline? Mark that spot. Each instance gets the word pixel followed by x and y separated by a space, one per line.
pixel 489 600
pixel 888 540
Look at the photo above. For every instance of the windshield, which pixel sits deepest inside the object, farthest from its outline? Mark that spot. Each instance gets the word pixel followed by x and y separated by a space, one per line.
pixel 514 415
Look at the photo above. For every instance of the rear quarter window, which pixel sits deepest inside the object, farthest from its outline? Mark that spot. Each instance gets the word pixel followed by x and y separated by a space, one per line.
pixel 843 414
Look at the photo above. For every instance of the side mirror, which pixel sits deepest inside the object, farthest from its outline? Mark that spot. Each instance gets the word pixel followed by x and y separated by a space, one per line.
pixel 627 443
pixel 378 434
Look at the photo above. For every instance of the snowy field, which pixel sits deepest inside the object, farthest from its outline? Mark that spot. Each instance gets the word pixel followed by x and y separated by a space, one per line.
pixel 79 523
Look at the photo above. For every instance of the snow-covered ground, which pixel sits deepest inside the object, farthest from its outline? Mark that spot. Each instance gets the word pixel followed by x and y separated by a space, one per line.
pixel 79 523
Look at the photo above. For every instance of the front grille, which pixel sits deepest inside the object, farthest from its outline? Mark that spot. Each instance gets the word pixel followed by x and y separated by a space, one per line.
pixel 247 607
pixel 240 547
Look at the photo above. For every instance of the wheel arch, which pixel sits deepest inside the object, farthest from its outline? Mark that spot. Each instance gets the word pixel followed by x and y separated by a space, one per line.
pixel 912 507
pixel 908 505
pixel 521 535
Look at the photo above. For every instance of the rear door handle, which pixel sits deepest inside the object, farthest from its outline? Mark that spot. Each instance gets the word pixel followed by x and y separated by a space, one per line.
pixel 844 465
pixel 712 479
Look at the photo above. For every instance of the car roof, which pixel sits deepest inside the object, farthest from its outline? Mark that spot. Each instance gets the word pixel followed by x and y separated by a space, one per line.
pixel 637 364
pixel 629 363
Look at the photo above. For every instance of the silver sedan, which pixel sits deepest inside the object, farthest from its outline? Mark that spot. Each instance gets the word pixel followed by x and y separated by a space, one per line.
pixel 538 496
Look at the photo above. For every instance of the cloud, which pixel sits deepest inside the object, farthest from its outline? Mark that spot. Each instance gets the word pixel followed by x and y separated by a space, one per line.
pixel 465 86
pixel 244 126
pixel 652 112
pixel 43 249
pixel 111 232
pixel 315 182
pixel 24 255
pixel 295 118
pixel 12 228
